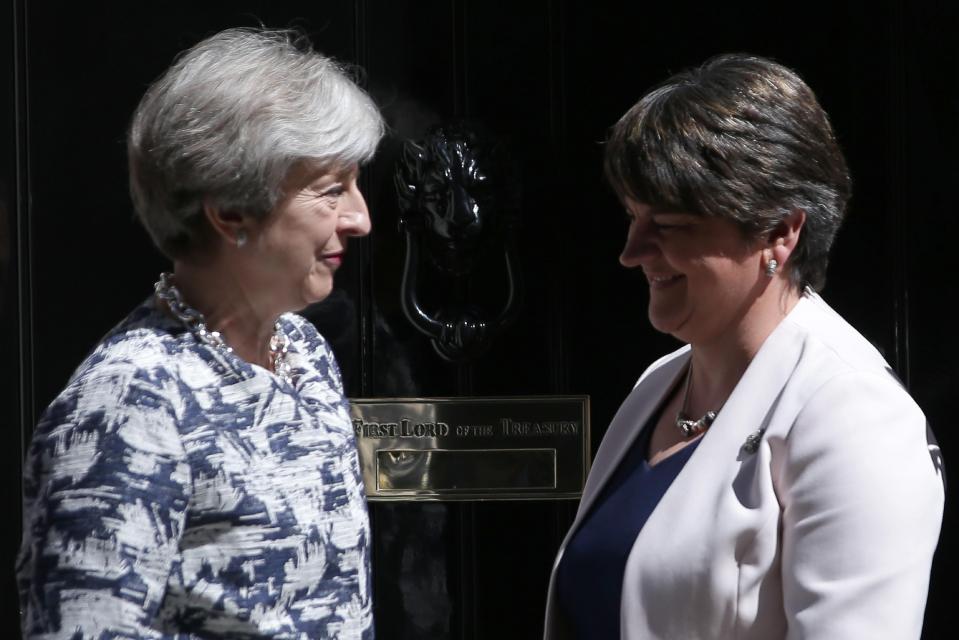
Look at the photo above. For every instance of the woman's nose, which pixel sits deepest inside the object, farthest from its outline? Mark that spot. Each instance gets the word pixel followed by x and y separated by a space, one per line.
pixel 354 220
pixel 640 245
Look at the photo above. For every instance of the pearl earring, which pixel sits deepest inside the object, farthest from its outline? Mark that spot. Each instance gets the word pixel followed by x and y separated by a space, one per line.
pixel 241 238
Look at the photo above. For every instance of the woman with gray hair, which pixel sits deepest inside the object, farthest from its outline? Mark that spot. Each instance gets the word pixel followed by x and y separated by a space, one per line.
pixel 198 475
pixel 772 478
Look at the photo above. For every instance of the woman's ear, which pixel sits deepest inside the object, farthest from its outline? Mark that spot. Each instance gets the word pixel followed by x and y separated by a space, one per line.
pixel 229 226
pixel 784 238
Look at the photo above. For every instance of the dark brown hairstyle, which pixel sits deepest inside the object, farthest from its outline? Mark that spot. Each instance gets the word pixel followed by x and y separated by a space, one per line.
pixel 742 138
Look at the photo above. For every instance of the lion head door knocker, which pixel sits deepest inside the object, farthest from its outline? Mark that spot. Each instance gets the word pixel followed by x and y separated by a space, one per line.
pixel 458 204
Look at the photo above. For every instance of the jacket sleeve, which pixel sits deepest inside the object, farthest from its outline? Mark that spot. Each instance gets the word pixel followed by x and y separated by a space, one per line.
pixel 105 494
pixel 862 506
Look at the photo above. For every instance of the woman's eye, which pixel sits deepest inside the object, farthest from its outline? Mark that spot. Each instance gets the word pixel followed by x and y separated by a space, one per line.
pixel 333 192
pixel 666 226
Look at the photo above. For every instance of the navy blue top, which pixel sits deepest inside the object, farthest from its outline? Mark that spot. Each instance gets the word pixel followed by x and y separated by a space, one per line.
pixel 589 580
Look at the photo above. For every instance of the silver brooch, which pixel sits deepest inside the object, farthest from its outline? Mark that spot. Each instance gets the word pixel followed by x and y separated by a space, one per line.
pixel 752 441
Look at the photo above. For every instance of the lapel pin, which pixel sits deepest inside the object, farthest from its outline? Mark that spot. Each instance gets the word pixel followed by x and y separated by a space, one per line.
pixel 752 441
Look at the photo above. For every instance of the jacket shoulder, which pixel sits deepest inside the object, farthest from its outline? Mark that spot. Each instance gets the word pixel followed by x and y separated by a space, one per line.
pixel 833 338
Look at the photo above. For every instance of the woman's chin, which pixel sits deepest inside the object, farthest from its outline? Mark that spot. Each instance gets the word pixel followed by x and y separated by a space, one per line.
pixel 663 322
pixel 669 324
pixel 316 292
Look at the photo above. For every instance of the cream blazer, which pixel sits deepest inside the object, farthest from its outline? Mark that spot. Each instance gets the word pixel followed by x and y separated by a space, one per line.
pixel 824 530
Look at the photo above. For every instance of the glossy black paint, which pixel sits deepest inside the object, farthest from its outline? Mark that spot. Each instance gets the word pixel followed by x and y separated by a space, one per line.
pixel 547 77
pixel 458 207
pixel 14 305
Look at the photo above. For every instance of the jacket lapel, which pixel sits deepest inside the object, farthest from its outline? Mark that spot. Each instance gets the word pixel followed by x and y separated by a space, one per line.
pixel 695 494
pixel 629 422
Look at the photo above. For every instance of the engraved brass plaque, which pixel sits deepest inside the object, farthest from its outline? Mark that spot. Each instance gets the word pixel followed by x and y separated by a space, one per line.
pixel 505 448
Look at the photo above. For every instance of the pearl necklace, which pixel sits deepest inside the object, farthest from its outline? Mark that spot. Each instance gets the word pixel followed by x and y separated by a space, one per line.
pixel 684 423
pixel 167 292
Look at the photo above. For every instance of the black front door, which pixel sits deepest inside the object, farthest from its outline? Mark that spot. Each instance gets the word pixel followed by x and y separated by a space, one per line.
pixel 545 79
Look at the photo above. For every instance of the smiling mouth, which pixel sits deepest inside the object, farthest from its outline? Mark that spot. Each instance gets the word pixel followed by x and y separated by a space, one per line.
pixel 334 259
pixel 661 282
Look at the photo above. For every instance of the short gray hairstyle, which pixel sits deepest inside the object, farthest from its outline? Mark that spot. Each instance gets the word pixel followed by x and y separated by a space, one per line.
pixel 227 122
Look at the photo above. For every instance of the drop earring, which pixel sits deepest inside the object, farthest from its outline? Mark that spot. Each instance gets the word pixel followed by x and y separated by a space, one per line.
pixel 240 239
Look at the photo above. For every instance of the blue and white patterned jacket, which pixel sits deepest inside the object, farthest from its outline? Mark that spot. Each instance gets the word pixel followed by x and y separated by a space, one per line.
pixel 173 491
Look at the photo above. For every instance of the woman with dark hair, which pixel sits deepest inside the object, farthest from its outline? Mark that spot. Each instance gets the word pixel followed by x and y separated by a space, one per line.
pixel 198 476
pixel 772 478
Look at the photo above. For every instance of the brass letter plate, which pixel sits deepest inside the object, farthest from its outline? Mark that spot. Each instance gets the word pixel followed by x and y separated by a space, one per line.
pixel 522 448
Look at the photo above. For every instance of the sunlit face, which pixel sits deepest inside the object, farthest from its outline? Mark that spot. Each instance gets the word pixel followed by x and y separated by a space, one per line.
pixel 703 275
pixel 301 243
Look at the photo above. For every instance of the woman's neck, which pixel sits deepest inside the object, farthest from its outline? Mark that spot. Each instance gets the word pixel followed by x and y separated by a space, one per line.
pixel 241 317
pixel 717 366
